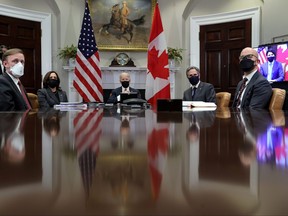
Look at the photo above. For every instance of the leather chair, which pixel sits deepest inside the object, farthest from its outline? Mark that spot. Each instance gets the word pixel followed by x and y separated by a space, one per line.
pixel 278 117
pixel 223 99
pixel 277 99
pixel 34 100
pixel 223 112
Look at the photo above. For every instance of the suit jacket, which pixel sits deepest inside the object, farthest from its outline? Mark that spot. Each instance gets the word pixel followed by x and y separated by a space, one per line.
pixel 47 98
pixel 11 98
pixel 205 92
pixel 257 94
pixel 277 71
pixel 116 92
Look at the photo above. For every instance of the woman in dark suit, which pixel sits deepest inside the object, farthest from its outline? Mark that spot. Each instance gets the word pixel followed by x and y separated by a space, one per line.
pixel 51 93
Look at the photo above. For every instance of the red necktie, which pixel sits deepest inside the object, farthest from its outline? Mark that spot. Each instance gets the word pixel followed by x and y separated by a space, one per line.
pixel 241 91
pixel 24 95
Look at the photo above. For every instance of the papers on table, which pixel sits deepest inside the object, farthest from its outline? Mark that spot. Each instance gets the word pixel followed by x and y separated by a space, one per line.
pixel 198 106
pixel 70 106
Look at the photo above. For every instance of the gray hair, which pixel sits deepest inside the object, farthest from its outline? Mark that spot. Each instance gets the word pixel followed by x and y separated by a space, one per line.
pixel 193 67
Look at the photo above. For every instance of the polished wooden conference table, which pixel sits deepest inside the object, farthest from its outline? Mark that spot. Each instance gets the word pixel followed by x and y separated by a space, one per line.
pixel 122 161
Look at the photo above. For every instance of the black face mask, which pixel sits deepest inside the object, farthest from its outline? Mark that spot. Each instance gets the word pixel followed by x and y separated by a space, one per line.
pixel 194 80
pixel 246 65
pixel 125 84
pixel 270 59
pixel 52 83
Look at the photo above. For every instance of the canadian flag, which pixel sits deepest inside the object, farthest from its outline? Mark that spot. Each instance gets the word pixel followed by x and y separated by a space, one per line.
pixel 157 79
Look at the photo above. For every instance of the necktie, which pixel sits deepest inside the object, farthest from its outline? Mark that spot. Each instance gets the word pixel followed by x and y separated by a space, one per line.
pixel 193 92
pixel 269 75
pixel 24 95
pixel 242 87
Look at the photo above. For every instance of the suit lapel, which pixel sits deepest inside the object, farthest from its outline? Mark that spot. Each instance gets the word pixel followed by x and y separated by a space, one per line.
pixel 197 92
pixel 15 88
pixel 52 95
pixel 251 82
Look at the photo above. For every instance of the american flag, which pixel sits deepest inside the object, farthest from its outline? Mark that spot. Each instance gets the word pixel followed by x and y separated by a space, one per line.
pixel 88 77
pixel 157 79
pixel 87 125
pixel 262 54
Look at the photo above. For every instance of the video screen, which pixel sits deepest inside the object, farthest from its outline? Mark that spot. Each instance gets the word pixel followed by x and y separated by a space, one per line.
pixel 273 61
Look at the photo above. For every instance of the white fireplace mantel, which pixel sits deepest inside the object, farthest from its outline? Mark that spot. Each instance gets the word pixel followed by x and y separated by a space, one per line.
pixel 110 79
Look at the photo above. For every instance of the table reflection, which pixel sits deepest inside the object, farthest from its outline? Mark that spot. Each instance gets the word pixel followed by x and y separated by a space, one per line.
pixel 123 161
pixel 272 143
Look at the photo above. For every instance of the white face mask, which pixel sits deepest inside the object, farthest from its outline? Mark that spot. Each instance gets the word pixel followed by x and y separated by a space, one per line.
pixel 17 70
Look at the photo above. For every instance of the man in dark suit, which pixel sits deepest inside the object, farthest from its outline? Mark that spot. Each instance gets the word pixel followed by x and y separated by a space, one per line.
pixel 253 91
pixel 13 96
pixel 199 91
pixel 272 70
pixel 125 88
pixel 3 49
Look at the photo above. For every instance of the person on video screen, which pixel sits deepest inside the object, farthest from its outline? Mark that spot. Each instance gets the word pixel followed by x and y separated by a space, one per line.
pixel 272 70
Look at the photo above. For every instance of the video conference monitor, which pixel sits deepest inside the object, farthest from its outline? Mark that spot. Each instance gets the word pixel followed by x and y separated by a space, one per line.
pixel 275 56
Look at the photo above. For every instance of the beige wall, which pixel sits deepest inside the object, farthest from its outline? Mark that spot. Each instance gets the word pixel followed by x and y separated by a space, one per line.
pixel 67 17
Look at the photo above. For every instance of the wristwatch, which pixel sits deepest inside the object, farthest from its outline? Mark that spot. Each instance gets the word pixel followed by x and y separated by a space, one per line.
pixel 122 59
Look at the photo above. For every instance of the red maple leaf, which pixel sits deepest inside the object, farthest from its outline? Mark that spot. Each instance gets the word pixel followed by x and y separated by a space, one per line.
pixel 156 65
pixel 282 55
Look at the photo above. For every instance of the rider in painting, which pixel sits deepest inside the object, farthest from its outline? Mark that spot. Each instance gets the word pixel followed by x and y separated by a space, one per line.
pixel 119 20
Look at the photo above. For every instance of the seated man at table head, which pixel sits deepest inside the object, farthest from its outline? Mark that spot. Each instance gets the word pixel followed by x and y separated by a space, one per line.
pixel 199 91
pixel 124 88
pixel 13 96
pixel 253 91
pixel 51 93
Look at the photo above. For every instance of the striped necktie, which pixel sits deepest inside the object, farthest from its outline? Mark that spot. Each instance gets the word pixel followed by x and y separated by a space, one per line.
pixel 243 85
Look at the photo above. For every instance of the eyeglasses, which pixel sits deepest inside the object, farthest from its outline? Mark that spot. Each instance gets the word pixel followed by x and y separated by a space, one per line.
pixel 249 56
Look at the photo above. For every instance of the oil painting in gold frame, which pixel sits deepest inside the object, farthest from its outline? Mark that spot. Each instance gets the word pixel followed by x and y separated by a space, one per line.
pixel 108 24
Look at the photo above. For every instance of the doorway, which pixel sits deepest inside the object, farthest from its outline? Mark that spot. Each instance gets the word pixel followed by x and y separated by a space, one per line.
pixel 44 19
pixel 220 47
pixel 251 15
pixel 26 35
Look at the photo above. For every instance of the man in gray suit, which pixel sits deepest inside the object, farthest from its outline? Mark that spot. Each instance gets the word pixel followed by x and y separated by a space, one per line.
pixel 199 91
pixel 253 91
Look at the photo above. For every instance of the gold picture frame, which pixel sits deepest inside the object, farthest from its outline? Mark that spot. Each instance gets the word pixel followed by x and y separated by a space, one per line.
pixel 108 24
